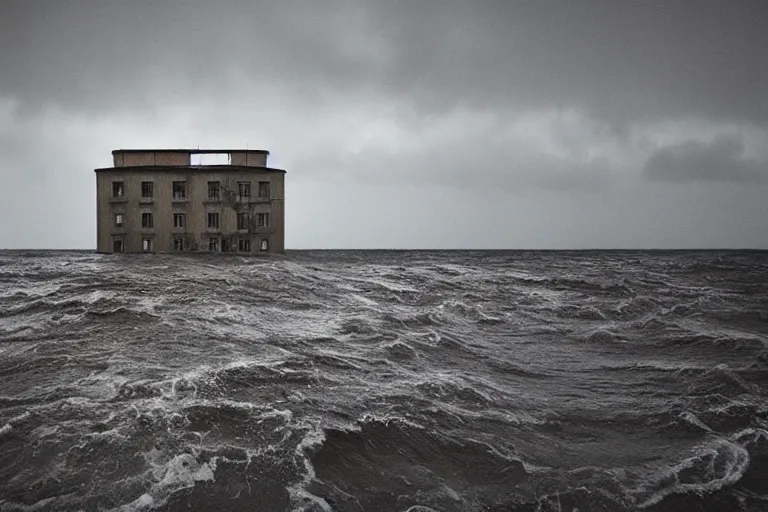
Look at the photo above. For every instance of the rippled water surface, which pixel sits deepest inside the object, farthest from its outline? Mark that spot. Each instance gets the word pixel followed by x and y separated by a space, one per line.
pixel 384 381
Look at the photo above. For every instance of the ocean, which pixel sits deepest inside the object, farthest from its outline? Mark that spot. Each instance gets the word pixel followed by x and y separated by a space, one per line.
pixel 384 380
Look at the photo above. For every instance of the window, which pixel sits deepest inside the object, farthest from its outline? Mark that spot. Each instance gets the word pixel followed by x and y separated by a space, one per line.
pixel 178 243
pixel 118 189
pixel 242 221
pixel 263 220
pixel 264 245
pixel 146 220
pixel 244 190
pixel 213 244
pixel 264 189
pixel 214 191
pixel 147 244
pixel 179 220
pixel 147 189
pixel 213 220
pixel 244 245
pixel 179 189
pixel 119 220
pixel 117 245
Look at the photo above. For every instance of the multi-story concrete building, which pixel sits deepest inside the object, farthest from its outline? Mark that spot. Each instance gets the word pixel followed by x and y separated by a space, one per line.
pixel 212 200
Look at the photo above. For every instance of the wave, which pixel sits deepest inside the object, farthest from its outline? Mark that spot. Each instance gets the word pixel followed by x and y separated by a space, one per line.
pixel 715 465
pixel 384 455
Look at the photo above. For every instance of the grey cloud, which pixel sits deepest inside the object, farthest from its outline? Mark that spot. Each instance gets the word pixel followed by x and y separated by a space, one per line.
pixel 619 61
pixel 477 168
pixel 723 159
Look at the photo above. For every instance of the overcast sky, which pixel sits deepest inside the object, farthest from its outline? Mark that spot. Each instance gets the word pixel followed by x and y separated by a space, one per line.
pixel 404 123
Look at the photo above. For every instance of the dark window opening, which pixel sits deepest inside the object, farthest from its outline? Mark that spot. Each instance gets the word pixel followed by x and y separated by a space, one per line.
pixel 147 189
pixel 214 190
pixel 244 190
pixel 242 221
pixel 213 221
pixel 264 189
pixel 118 189
pixel 179 220
pixel 117 245
pixel 244 245
pixel 179 189
pixel 147 245
pixel 263 220
pixel 146 220
pixel 178 243
pixel 213 244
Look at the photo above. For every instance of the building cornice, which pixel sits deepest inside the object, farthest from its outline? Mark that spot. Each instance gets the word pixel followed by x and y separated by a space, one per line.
pixel 189 168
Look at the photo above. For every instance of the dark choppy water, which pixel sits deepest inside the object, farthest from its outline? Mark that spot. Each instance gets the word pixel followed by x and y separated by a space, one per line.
pixel 384 381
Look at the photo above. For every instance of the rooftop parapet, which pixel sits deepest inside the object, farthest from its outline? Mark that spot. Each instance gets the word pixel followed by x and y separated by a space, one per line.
pixel 187 157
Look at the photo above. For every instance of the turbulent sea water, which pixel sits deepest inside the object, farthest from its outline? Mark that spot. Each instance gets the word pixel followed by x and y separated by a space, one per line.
pixel 392 381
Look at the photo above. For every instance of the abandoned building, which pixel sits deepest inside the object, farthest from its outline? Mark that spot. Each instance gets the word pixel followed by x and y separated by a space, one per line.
pixel 198 200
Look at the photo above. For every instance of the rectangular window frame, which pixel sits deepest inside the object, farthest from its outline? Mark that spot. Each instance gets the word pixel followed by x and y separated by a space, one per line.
pixel 264 245
pixel 242 221
pixel 214 216
pixel 147 220
pixel 179 190
pixel 121 222
pixel 214 191
pixel 264 190
pixel 244 245
pixel 262 220
pixel 244 190
pixel 147 189
pixel 118 189
pixel 214 245
pixel 177 244
pixel 179 220
pixel 147 244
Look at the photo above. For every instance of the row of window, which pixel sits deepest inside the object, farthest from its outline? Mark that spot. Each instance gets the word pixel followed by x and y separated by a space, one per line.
pixel 214 245
pixel 180 220
pixel 180 190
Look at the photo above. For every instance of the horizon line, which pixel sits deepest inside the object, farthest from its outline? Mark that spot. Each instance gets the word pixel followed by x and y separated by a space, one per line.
pixel 436 249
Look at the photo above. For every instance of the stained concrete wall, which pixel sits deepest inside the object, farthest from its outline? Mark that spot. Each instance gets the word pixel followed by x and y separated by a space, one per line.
pixel 129 159
pixel 248 159
pixel 196 208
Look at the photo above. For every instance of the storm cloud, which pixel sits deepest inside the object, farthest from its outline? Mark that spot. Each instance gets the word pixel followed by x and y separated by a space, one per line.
pixel 405 123
pixel 723 159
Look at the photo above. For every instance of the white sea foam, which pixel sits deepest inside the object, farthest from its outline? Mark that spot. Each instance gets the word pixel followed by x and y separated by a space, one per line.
pixel 385 284
pixel 5 430
pixel 184 470
pixel 718 463
pixel 180 472
pixel 301 499
pixel 143 502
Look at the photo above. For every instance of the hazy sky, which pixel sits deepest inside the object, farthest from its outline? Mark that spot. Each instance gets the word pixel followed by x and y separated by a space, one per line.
pixel 404 123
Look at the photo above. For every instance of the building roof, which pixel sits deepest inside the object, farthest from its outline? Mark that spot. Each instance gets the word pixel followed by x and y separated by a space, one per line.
pixel 190 151
pixel 186 168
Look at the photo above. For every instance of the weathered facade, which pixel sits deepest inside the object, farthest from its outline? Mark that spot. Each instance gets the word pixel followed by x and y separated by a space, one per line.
pixel 160 200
